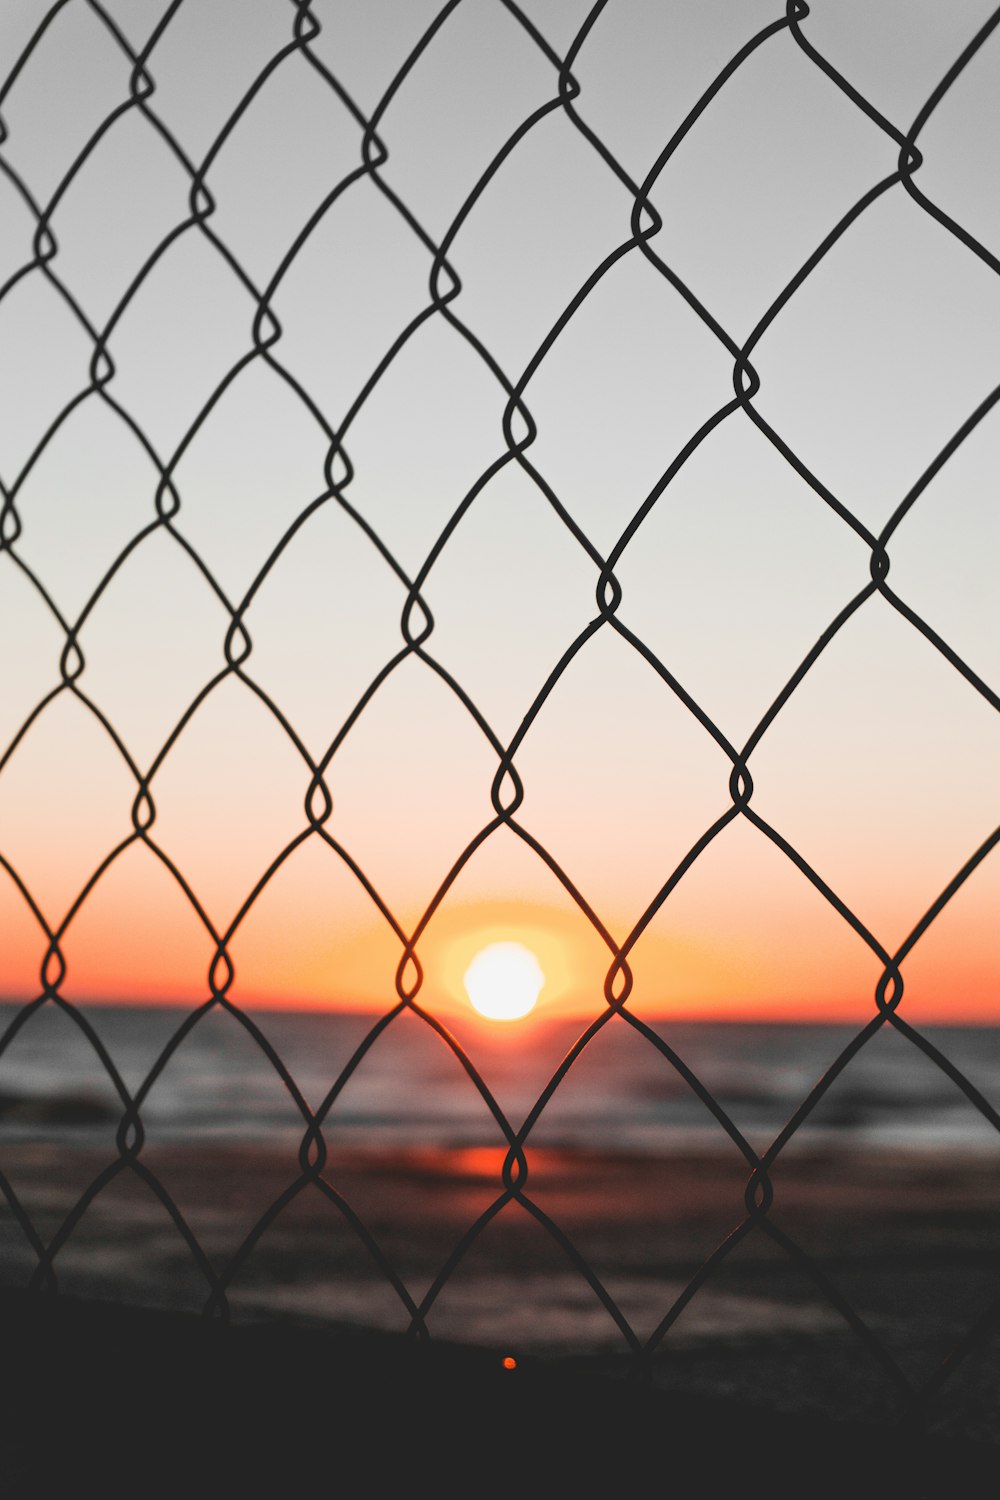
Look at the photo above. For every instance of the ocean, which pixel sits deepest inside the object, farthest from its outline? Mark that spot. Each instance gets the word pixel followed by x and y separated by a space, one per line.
pixel 410 1089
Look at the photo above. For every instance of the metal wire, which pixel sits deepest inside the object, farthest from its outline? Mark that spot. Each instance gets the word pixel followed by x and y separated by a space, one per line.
pixel 417 628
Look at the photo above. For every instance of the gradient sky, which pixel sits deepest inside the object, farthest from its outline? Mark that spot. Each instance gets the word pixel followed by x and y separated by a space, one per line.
pixel 880 771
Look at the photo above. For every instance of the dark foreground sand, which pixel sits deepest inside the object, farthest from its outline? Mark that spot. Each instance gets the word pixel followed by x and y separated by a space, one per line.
pixel 114 1402
pixel 319 1354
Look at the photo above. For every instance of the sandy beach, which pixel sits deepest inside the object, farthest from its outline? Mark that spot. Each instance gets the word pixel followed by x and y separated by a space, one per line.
pixel 909 1240
pixel 160 1402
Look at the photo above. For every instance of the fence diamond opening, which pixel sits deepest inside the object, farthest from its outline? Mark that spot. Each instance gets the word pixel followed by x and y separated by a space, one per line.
pixel 43 53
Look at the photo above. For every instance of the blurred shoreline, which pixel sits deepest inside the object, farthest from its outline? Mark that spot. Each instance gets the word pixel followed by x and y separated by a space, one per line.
pixel 909 1239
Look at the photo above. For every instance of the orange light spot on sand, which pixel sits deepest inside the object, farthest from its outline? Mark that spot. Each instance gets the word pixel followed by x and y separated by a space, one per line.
pixel 509 1362
pixel 503 981
pixel 479 1161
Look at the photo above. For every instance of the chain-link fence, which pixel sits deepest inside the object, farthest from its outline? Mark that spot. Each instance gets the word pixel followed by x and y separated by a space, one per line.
pixel 87 77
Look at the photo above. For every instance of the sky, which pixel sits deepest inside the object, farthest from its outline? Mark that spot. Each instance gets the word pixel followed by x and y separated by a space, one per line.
pixel 878 772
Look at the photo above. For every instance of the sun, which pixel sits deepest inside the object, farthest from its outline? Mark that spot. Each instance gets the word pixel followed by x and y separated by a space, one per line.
pixel 503 981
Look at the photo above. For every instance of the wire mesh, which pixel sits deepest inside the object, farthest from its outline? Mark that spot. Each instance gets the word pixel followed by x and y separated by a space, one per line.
pixel 316 1169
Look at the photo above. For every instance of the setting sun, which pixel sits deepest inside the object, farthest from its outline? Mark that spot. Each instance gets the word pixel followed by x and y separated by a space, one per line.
pixel 503 981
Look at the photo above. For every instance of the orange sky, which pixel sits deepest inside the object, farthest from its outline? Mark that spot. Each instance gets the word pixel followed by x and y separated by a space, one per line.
pixel 744 936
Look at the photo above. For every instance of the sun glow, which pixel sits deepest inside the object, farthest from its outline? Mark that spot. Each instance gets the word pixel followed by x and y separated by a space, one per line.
pixel 503 981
